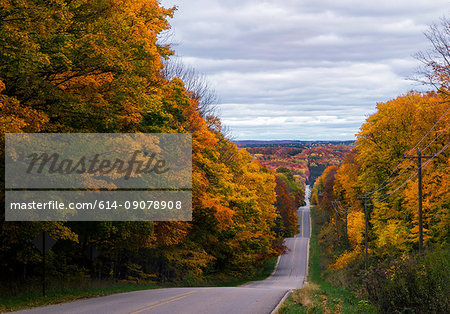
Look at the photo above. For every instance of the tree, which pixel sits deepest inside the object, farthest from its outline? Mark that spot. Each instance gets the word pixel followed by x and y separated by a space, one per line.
pixel 287 209
pixel 435 61
pixel 196 83
pixel 84 66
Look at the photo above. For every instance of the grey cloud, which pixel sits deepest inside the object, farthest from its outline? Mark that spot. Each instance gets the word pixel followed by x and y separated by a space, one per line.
pixel 271 61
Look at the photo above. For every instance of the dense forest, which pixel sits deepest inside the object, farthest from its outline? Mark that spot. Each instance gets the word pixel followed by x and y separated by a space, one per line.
pixel 395 275
pixel 307 160
pixel 102 67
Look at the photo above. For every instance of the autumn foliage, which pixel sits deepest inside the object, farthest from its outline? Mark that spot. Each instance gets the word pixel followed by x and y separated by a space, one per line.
pixel 377 168
pixel 382 173
pixel 96 66
pixel 306 161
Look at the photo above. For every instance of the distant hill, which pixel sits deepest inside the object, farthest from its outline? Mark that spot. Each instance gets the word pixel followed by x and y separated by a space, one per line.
pixel 290 143
pixel 306 159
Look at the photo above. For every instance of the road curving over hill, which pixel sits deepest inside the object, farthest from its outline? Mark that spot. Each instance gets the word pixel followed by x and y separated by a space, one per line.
pixel 254 297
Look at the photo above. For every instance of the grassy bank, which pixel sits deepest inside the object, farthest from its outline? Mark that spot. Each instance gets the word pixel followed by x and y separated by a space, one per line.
pixel 265 272
pixel 30 295
pixel 319 296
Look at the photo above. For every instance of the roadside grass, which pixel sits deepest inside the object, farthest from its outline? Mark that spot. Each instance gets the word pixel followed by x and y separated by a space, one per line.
pixel 318 295
pixel 223 280
pixel 266 272
pixel 30 295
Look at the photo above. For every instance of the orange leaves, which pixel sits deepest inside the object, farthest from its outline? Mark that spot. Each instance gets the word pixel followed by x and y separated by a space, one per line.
pixel 346 185
pixel 170 233
pixel 233 196
pixel 131 116
pixel 323 187
pixel 286 208
pixel 394 130
pixel 15 118
pixel 95 66
pixel 73 80
pixel 223 214
pixel 377 164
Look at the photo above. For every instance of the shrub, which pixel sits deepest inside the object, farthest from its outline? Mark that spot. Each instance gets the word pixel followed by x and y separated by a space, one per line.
pixel 412 283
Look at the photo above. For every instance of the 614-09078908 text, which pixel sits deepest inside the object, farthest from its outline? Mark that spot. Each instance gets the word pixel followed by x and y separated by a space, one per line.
pixel 96 205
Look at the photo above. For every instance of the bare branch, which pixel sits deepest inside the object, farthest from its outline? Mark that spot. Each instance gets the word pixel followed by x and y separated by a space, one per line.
pixel 195 83
pixel 435 69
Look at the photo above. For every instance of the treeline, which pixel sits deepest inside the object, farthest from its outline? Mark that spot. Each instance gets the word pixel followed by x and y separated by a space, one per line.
pixel 307 161
pixel 398 277
pixel 290 196
pixel 377 187
pixel 98 66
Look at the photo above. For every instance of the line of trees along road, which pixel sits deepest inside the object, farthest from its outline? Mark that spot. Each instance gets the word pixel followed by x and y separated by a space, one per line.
pixel 398 278
pixel 97 66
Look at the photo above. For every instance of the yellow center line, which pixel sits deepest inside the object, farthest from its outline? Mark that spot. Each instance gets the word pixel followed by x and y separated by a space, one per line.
pixel 303 222
pixel 293 257
pixel 163 301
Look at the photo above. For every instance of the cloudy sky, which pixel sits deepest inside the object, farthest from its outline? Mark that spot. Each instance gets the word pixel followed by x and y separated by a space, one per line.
pixel 303 69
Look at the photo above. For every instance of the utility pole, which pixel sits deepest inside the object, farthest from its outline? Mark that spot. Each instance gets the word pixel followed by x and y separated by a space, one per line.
pixel 344 211
pixel 336 214
pixel 419 166
pixel 43 242
pixel 366 234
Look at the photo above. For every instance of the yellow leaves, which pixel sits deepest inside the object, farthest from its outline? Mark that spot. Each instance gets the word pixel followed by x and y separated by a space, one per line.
pixel 188 260
pixel 346 184
pixel 61 232
pixel 391 272
pixel 94 66
pixel 355 229
pixel 15 118
pixel 393 130
pixel 344 259
pixel 392 233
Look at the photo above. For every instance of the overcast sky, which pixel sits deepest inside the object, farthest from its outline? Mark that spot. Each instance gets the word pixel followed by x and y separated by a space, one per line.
pixel 303 69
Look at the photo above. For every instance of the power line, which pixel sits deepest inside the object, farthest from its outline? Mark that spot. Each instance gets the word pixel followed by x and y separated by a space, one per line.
pixel 382 185
pixel 395 179
pixel 411 162
pixel 435 155
pixel 417 145
pixel 442 132
pixel 413 175
pixel 343 210
pixel 420 166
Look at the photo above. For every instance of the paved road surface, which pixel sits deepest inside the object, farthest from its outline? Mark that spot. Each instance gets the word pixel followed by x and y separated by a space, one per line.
pixel 255 297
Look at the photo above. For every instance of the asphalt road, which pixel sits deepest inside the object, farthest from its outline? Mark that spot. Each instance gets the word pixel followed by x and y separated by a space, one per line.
pixel 254 297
